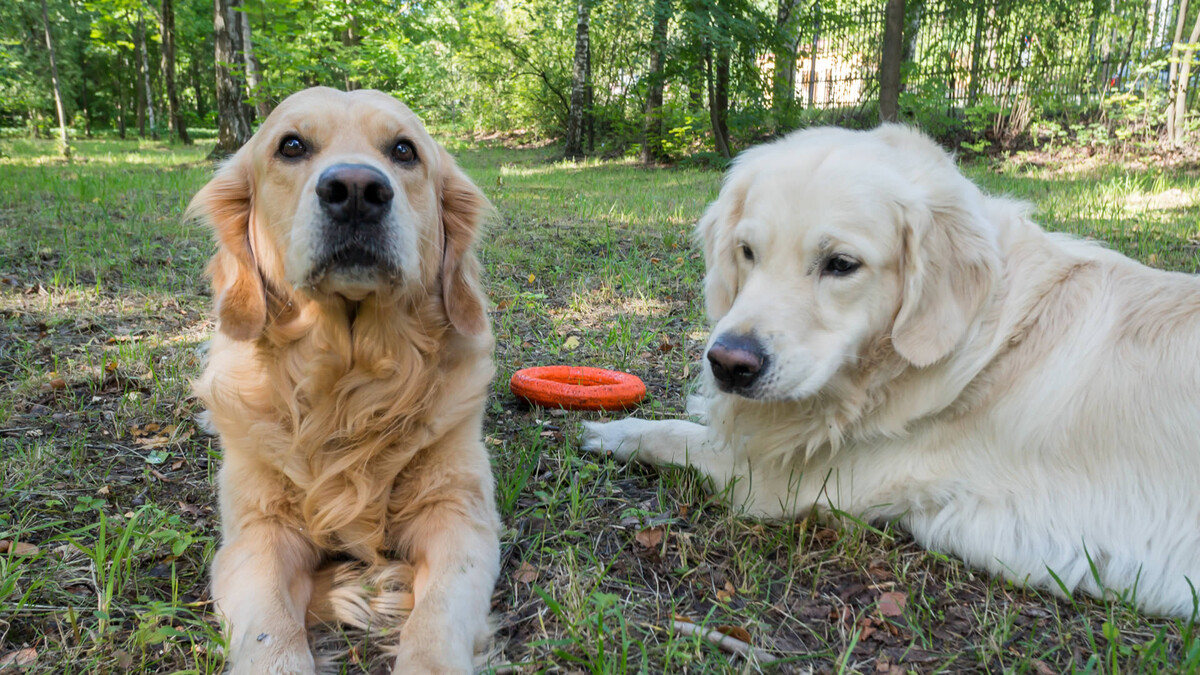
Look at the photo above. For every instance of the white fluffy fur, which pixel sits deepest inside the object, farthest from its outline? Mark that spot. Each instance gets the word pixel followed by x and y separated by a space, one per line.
pixel 1023 400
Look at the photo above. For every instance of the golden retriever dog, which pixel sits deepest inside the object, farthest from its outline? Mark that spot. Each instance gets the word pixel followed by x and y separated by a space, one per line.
pixel 347 382
pixel 891 343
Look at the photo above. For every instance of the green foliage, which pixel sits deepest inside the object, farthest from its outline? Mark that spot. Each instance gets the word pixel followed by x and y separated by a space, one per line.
pixel 977 71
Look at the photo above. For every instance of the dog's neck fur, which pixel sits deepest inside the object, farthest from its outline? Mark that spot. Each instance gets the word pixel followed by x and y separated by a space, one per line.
pixel 370 376
pixel 882 395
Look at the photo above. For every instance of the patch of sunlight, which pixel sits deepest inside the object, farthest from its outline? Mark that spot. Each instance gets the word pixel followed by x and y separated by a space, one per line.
pixel 601 305
pixel 1174 198
pixel 559 166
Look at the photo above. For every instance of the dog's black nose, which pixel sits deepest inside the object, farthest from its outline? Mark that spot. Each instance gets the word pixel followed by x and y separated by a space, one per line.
pixel 354 193
pixel 736 361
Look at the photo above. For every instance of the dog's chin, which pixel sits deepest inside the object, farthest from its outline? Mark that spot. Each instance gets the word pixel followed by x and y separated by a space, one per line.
pixel 352 275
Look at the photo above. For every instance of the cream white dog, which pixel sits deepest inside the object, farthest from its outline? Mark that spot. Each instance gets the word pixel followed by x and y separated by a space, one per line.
pixel 890 342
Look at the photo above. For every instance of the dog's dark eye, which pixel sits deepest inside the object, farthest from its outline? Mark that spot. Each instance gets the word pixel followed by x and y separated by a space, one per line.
pixel 747 253
pixel 292 147
pixel 403 151
pixel 840 266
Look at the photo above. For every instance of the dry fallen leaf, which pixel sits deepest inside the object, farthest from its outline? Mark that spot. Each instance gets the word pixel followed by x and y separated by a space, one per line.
pixel 726 594
pixel 650 537
pixel 868 628
pixel 1042 668
pixel 20 657
pixel 17 548
pixel 736 632
pixel 571 343
pixel 892 603
pixel 190 509
pixel 58 383
pixel 152 441
pixel 526 573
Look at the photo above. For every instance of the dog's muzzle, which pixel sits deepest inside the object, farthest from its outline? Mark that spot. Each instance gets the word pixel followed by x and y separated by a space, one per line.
pixel 356 200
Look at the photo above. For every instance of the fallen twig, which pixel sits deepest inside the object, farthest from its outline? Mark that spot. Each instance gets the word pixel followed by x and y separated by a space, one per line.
pixel 725 642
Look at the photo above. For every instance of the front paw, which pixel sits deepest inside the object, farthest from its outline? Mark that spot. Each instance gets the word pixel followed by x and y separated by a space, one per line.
pixel 266 654
pixel 621 439
pixel 431 658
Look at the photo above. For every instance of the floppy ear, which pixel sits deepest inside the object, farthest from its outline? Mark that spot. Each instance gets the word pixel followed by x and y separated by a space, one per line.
pixel 462 208
pixel 949 269
pixel 226 203
pixel 715 232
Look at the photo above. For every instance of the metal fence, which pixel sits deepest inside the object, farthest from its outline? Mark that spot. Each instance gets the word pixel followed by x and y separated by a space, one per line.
pixel 962 53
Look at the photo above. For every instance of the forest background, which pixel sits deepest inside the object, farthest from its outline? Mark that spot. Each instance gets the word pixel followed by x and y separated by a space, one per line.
pixel 661 80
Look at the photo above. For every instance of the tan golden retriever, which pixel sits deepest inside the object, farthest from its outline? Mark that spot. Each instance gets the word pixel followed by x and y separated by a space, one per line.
pixel 892 343
pixel 347 382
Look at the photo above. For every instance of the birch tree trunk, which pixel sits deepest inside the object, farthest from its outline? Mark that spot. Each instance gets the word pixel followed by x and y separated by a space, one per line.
pixel 64 143
pixel 1179 128
pixel 145 68
pixel 574 144
pixel 1173 69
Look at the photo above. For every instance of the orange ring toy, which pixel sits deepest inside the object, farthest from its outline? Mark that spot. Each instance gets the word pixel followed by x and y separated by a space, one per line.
pixel 578 387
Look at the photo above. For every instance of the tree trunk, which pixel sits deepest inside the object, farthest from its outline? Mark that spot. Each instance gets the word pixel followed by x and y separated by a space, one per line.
pixel 197 87
pixel 119 99
pixel 912 30
pixel 574 145
pixel 1181 87
pixel 1173 69
pixel 253 70
pixel 652 128
pixel 84 101
pixel 889 64
pixel 812 60
pixel 589 101
pixel 718 97
pixel 175 119
pixel 145 74
pixel 233 124
pixel 784 78
pixel 58 103
pixel 976 56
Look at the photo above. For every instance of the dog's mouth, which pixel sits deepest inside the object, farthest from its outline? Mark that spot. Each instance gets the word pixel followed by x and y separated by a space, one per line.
pixel 353 270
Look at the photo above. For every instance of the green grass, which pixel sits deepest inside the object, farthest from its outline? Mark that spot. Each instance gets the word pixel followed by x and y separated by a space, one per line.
pixel 103 307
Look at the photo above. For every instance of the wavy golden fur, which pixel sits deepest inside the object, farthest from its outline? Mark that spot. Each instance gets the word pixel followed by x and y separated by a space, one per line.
pixel 349 402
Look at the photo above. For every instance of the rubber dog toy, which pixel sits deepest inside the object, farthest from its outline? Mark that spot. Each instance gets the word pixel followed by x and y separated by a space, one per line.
pixel 578 387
